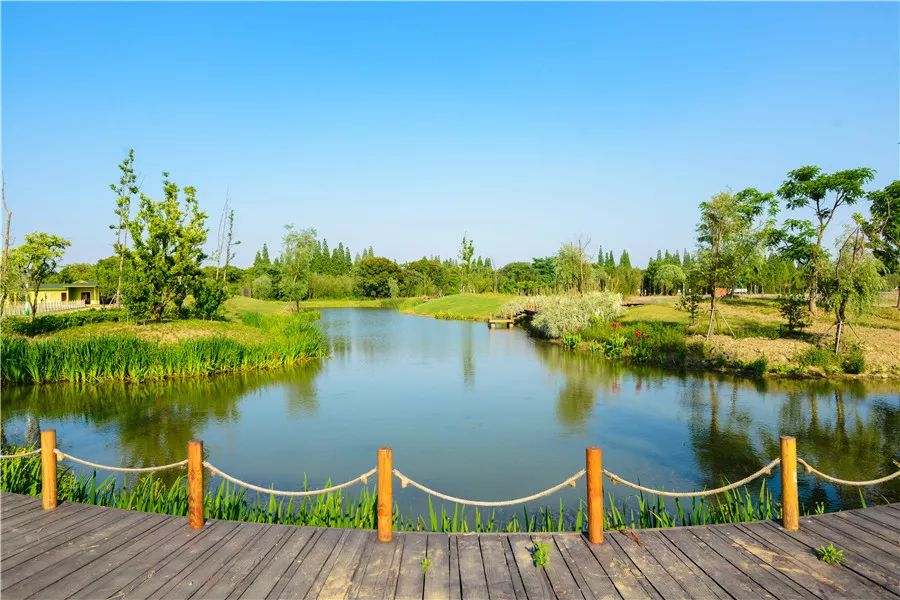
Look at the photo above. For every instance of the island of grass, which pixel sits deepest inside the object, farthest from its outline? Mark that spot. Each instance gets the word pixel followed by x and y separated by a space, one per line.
pixel 105 345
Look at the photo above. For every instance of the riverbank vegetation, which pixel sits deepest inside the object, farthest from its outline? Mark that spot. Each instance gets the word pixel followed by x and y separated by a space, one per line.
pixel 337 509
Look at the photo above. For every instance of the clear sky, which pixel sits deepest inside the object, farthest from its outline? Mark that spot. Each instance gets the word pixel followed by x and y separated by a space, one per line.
pixel 405 125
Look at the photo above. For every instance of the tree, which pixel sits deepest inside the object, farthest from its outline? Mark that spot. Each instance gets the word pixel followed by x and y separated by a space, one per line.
pixel 373 276
pixel 726 238
pixel 38 258
pixel 230 243
pixel 669 277
pixel 466 263
pixel 296 257
pixel 8 276
pixel 853 282
pixel 809 187
pixel 884 228
pixel 262 287
pixel 573 268
pixel 125 192
pixel 625 260
pixel 167 238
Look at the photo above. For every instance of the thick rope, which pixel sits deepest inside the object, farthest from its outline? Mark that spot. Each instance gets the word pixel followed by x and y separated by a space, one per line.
pixel 364 478
pixel 62 456
pixel 570 482
pixel 810 469
pixel 22 455
pixel 766 470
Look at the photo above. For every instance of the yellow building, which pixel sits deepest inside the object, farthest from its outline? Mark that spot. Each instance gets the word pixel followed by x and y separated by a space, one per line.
pixel 82 291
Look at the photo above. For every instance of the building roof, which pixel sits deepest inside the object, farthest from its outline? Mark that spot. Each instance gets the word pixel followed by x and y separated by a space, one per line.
pixel 62 286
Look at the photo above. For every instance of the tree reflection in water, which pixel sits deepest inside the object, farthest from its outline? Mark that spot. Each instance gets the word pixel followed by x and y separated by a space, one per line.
pixel 154 421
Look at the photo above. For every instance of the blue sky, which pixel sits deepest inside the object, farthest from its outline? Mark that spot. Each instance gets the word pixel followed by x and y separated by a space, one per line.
pixel 405 125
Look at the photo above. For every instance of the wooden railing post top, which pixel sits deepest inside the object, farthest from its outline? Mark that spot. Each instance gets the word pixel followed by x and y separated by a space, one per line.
pixel 48 433
pixel 788 437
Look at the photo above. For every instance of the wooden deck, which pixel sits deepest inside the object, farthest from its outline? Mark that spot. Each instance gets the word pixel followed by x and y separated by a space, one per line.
pixel 80 551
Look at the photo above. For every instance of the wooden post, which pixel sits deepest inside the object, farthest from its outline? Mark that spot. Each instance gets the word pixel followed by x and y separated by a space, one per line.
pixel 385 495
pixel 790 503
pixel 195 484
pixel 48 469
pixel 594 468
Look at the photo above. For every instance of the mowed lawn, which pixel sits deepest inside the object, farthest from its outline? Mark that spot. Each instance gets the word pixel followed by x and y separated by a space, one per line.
pixel 461 306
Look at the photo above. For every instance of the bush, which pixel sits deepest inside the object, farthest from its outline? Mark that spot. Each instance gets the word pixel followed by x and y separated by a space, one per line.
pixel 794 309
pixel 373 275
pixel 854 361
pixel 817 357
pixel 57 322
pixel 690 303
pixel 209 295
pixel 758 367
pixel 560 314
pixel 262 287
pixel 571 340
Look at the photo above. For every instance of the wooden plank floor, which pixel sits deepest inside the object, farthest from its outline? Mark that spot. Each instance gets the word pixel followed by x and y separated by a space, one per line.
pixel 80 551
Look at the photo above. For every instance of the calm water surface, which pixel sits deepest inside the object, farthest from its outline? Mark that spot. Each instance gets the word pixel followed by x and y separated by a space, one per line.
pixel 476 413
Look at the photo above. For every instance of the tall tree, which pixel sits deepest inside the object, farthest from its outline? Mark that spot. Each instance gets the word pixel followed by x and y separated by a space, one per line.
pixel 625 260
pixel 296 255
pixel 727 238
pixel 38 257
pixel 466 264
pixel 125 190
pixel 6 275
pixel 230 243
pixel 824 193
pixel 167 250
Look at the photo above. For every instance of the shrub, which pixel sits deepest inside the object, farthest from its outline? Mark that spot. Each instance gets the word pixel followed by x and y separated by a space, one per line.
pixel 330 286
pixel 57 322
pixel 372 277
pixel 854 361
pixel 559 314
pixel 209 295
pixel 795 310
pixel 758 367
pixel 817 357
pixel 262 287
pixel 690 303
pixel 614 345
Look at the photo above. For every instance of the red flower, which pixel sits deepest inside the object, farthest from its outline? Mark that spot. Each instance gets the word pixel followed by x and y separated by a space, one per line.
pixel 616 324
pixel 638 333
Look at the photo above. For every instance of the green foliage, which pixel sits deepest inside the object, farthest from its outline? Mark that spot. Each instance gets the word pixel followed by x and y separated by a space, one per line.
pixel 330 286
pixel 830 554
pixel 291 339
pixel 37 259
pixel 57 322
pixel 466 264
pixel 296 256
pixel 817 357
pixel 125 190
pixel 262 287
pixel 573 268
pixel 614 346
pixel 794 308
pixel 571 340
pixel 426 562
pixel 167 251
pixel 209 295
pixel 669 277
pixel 373 275
pixel 690 303
pixel 560 314
pixel 884 228
pixel 540 554
pixel 854 361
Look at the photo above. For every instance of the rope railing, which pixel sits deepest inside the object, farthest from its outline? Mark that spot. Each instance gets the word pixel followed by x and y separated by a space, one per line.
pixel 810 469
pixel 20 455
pixel 385 474
pixel 766 470
pixel 63 456
pixel 570 482
pixel 364 478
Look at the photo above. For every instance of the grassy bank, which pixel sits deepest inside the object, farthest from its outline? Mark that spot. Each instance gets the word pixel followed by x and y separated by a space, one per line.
pixel 126 351
pixel 463 307
pixel 224 501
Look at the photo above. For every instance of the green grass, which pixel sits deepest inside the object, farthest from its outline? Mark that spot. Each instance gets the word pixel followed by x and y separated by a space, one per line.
pixel 276 341
pixel 468 307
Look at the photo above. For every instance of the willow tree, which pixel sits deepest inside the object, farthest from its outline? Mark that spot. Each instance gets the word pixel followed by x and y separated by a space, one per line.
pixel 296 256
pixel 824 193
pixel 729 234
pixel 167 250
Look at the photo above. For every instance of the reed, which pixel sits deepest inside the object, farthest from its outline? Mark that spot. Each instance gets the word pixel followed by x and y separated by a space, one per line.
pixel 336 509
pixel 290 340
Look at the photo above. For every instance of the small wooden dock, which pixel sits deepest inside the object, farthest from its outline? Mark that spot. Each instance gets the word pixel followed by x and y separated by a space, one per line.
pixel 498 321
pixel 81 551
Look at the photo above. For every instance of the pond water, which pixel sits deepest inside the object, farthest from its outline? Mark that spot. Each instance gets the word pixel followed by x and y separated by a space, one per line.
pixel 475 413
